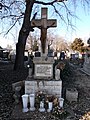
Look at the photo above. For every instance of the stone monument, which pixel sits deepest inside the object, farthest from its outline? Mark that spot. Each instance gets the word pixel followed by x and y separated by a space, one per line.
pixel 43 80
pixel 43 24
pixel 86 65
pixel 43 64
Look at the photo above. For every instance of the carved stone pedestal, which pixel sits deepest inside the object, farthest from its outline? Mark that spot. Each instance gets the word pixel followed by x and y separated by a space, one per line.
pixel 52 87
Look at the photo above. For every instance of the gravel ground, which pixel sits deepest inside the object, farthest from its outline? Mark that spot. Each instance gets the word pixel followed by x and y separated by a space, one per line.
pixel 78 80
pixel 7 77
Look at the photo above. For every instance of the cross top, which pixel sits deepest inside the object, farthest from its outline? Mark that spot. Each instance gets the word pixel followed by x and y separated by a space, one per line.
pixel 43 24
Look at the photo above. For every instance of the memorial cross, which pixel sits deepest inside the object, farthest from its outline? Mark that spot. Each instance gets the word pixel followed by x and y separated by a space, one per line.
pixel 43 24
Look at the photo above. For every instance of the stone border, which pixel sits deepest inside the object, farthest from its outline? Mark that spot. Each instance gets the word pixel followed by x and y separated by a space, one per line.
pixel 84 71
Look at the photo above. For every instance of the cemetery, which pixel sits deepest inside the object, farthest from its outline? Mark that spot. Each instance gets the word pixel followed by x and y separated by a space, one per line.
pixel 76 101
pixel 46 89
pixel 42 83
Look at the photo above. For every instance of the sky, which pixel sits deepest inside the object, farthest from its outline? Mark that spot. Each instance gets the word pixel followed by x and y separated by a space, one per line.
pixel 82 29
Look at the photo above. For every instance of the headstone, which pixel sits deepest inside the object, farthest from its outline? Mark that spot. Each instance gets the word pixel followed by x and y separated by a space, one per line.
pixel 86 65
pixel 37 54
pixel 71 94
pixel 55 55
pixel 5 54
pixel 57 74
pixel 43 66
pixel 43 24
pixel 50 53
pixel 62 56
pixel 12 58
pixel 72 56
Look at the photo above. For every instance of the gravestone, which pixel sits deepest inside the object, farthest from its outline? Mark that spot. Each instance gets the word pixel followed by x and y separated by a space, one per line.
pixel 43 24
pixel 50 53
pixel 37 54
pixel 86 65
pixel 43 67
pixel 43 64
pixel 71 94
pixel 43 80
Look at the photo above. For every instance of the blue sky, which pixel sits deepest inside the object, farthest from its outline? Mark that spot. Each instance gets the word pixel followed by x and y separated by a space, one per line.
pixel 82 24
pixel 82 27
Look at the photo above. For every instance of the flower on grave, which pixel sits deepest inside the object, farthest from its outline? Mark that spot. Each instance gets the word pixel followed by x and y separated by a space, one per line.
pixel 86 116
pixel 52 98
pixel 40 96
pixel 59 112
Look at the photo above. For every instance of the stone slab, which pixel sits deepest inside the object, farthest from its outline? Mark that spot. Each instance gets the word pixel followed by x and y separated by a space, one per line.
pixel 43 67
pixel 86 72
pixel 71 94
pixel 43 71
pixel 52 87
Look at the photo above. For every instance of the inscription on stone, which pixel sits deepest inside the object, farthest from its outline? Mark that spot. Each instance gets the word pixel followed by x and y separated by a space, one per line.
pixel 43 70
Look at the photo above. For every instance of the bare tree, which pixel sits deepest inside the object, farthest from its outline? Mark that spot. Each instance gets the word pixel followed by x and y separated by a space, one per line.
pixel 60 44
pixel 23 11
pixel 29 43
pixel 50 39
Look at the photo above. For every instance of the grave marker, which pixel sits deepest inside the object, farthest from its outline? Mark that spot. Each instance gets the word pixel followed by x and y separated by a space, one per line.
pixel 43 24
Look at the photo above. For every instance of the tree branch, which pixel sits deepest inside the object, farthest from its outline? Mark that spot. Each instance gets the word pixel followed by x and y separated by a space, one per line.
pixel 48 3
pixel 59 14
pixel 43 3
pixel 3 6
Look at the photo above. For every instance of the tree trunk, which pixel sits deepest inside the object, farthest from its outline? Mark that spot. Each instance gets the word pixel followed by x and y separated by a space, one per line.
pixel 23 34
pixel 20 47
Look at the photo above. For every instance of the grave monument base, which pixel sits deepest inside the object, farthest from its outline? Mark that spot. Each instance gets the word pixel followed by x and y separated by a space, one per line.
pixel 51 87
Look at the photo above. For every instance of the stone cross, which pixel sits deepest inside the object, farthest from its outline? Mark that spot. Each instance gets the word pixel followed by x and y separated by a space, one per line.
pixel 43 24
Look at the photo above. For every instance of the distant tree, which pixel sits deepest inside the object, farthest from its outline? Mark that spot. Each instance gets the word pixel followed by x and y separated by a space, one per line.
pixel 29 43
pixel 50 39
pixel 32 43
pixel 35 46
pixel 9 47
pixel 78 45
pixel 60 44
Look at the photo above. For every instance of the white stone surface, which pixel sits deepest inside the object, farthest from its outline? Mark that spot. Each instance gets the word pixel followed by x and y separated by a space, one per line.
pixel 57 74
pixel 71 94
pixel 86 65
pixel 43 67
pixel 43 70
pixel 52 87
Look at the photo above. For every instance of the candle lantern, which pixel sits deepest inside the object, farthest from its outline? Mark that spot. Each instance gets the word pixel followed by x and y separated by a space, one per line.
pixel 25 103
pixel 42 109
pixel 32 102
